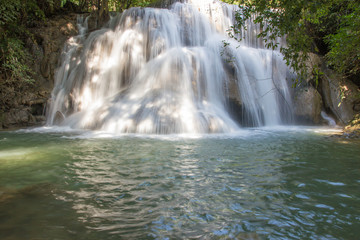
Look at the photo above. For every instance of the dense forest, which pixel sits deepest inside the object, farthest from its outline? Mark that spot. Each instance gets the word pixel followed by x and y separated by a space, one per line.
pixel 328 28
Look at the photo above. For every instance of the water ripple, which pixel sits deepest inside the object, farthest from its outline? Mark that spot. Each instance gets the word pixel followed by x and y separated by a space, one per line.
pixel 138 188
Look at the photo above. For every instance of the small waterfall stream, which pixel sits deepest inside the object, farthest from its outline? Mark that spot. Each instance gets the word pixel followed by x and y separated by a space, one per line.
pixel 161 71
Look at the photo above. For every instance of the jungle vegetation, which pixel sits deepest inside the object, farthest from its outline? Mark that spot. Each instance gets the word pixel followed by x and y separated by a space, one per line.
pixel 330 28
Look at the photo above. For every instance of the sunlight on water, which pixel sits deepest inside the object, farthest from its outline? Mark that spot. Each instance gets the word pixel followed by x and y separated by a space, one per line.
pixel 14 153
pixel 146 147
pixel 265 183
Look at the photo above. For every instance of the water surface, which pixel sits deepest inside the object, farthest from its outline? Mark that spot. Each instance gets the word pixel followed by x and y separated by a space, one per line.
pixel 294 183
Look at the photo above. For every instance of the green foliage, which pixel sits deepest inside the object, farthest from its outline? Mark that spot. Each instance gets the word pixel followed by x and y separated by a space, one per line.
pixel 13 58
pixel 330 28
pixel 22 12
pixel 32 12
pixel 231 1
pixel 14 16
pixel 9 11
pixel 112 5
pixel 356 120
pixel 17 15
pixel 121 5
pixel 344 52
pixel 317 73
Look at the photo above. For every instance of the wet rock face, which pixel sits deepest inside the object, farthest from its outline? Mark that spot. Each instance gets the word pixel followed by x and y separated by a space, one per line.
pixel 339 96
pixel 50 40
pixel 28 110
pixel 164 3
pixel 308 104
pixel 26 107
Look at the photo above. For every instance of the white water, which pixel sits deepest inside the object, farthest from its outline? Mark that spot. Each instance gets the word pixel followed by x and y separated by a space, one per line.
pixel 167 71
pixel 328 119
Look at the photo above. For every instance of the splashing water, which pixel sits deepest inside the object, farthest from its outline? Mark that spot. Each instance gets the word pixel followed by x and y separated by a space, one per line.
pixel 170 71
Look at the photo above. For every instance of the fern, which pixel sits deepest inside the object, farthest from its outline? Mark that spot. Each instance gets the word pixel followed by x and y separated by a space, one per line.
pixel 9 11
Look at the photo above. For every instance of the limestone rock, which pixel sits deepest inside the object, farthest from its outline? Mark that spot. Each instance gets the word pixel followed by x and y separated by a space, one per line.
pixel 164 3
pixel 308 104
pixel 16 116
pixel 339 96
pixel 26 106
pixel 231 88
pixel 233 91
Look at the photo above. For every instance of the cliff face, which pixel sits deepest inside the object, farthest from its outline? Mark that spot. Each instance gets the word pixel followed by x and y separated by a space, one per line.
pixel 25 105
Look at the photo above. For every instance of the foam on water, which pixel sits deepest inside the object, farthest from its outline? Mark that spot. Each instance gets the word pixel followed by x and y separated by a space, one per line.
pixel 243 133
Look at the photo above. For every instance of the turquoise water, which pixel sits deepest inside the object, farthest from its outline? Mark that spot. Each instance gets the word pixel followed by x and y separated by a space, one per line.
pixel 295 183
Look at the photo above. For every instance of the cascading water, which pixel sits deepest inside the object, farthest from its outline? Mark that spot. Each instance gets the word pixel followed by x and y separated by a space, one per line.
pixel 169 71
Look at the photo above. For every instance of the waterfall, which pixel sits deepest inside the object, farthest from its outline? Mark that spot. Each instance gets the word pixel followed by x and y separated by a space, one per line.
pixel 331 122
pixel 173 70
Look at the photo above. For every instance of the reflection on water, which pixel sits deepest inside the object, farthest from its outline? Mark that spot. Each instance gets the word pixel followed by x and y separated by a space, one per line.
pixel 261 184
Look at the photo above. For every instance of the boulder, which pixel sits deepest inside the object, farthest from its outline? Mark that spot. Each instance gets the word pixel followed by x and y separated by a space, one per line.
pixel 308 105
pixel 232 91
pixel 339 96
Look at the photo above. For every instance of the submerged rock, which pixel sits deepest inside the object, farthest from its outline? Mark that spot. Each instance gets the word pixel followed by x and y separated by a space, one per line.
pixel 32 191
